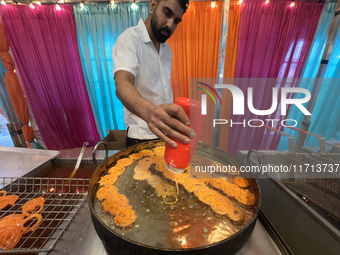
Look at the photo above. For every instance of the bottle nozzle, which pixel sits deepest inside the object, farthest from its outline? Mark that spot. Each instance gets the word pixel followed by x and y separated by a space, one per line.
pixel 174 169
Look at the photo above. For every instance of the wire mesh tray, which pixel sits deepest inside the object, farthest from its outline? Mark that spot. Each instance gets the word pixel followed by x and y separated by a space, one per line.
pixel 63 199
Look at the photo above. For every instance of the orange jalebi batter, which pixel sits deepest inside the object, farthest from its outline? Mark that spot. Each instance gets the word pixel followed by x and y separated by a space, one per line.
pixel 141 170
pixel 7 200
pixel 219 203
pixel 115 203
pixel 241 182
pixel 163 189
pixel 244 196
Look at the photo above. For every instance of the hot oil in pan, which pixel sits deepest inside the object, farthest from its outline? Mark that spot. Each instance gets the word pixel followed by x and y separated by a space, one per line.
pixel 188 223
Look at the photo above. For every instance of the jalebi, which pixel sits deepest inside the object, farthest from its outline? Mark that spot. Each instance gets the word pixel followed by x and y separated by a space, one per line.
pixel 10 236
pixel 11 220
pixel 241 182
pixel 32 205
pixel 113 202
pixel 7 200
pixel 31 216
pixel 12 227
pixel 243 196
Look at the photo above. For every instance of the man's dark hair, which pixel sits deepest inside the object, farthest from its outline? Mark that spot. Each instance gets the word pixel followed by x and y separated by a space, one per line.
pixel 183 3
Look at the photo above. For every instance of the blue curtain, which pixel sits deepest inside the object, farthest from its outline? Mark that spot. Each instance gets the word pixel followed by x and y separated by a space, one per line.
pixel 325 119
pixel 2 73
pixel 310 69
pixel 98 27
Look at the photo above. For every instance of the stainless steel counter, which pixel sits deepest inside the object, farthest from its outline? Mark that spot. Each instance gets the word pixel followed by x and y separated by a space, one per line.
pixel 81 238
pixel 18 162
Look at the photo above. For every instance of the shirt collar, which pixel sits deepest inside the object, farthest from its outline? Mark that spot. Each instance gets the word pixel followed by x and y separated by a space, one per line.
pixel 145 34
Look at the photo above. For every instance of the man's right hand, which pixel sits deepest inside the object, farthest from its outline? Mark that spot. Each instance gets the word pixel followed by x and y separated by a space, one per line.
pixel 169 120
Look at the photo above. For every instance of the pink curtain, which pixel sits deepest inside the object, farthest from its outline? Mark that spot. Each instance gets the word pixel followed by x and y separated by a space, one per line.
pixel 44 45
pixel 274 40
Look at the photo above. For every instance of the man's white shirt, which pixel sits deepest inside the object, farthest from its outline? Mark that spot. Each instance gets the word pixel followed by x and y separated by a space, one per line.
pixel 135 52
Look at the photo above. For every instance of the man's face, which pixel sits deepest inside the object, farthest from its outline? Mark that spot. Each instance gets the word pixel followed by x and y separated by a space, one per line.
pixel 165 18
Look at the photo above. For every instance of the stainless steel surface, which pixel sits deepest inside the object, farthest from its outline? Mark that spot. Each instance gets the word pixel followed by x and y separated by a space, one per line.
pixel 63 199
pixel 17 162
pixel 322 140
pixel 290 138
pixel 305 211
pixel 79 159
pixel 81 238
pixel 303 230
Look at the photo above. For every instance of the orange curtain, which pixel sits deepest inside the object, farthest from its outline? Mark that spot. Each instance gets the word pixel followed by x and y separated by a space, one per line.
pixel 195 46
pixel 3 41
pixel 14 88
pixel 229 69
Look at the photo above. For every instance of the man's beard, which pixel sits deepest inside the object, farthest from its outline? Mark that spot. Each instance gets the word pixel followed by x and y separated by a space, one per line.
pixel 157 32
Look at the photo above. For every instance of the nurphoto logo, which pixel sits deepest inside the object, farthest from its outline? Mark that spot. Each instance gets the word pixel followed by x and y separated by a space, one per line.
pixel 238 104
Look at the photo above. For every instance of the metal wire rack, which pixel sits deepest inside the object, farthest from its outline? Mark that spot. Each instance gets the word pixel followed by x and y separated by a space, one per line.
pixel 63 199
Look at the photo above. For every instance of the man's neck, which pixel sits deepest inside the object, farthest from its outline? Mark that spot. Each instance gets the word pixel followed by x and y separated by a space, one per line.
pixel 152 37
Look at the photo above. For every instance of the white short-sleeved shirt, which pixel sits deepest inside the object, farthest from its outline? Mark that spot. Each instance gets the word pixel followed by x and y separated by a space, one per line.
pixel 135 52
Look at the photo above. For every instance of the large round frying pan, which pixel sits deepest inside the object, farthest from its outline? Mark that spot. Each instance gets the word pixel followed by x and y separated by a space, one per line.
pixel 187 227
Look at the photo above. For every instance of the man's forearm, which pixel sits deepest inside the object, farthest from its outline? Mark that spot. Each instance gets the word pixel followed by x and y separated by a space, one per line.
pixel 132 99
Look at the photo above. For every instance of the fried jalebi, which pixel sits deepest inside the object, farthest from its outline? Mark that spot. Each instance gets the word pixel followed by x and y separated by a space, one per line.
pixel 125 218
pixel 10 236
pixel 31 216
pixel 3 193
pixel 12 226
pixel 32 205
pixel 241 182
pixel 106 191
pixel 108 179
pixel 113 202
pixel 11 220
pixel 118 205
pixel 243 196
pixel 7 200
pixel 119 168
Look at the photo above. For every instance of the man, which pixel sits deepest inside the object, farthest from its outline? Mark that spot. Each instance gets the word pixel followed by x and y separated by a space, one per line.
pixel 142 63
